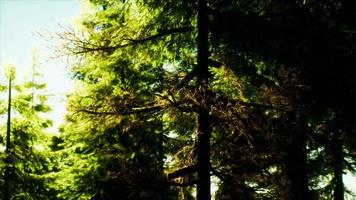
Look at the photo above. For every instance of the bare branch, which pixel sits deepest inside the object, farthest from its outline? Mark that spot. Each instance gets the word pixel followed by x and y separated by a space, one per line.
pixel 79 45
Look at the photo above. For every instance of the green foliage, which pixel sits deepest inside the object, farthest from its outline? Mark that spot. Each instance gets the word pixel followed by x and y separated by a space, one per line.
pixel 138 98
pixel 279 97
pixel 28 156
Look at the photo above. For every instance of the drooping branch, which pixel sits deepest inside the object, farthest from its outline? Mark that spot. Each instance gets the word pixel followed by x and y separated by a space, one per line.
pixel 123 112
pixel 182 172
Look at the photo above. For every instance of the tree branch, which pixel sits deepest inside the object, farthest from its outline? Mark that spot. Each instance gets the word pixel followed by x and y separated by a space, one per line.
pixel 251 104
pixel 161 34
pixel 214 63
pixel 123 112
pixel 187 78
pixel 136 41
pixel 185 184
pixel 76 45
pixel 182 172
pixel 175 104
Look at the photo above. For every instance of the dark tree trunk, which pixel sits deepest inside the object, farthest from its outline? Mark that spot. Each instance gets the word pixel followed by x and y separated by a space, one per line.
pixel 6 191
pixel 338 159
pixel 161 152
pixel 203 185
pixel 296 165
pixel 296 170
pixel 203 126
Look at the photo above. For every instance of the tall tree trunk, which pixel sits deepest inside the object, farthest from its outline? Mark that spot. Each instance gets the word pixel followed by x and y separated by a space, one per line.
pixel 338 159
pixel 6 191
pixel 296 169
pixel 203 126
pixel 203 185
pixel 296 164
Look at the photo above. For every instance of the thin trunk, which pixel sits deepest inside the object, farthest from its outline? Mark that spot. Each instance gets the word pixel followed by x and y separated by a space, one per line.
pixel 203 126
pixel 7 151
pixel 338 170
pixel 161 152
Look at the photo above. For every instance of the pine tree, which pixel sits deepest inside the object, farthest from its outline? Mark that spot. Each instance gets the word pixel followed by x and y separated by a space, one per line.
pixel 144 66
pixel 26 161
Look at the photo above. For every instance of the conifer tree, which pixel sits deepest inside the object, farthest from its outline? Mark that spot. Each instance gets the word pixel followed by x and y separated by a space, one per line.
pixel 175 75
pixel 25 157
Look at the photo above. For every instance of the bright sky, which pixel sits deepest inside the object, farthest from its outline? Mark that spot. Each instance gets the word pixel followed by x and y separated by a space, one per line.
pixel 20 20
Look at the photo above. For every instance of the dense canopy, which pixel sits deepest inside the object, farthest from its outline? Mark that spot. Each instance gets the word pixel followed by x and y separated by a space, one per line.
pixel 203 99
